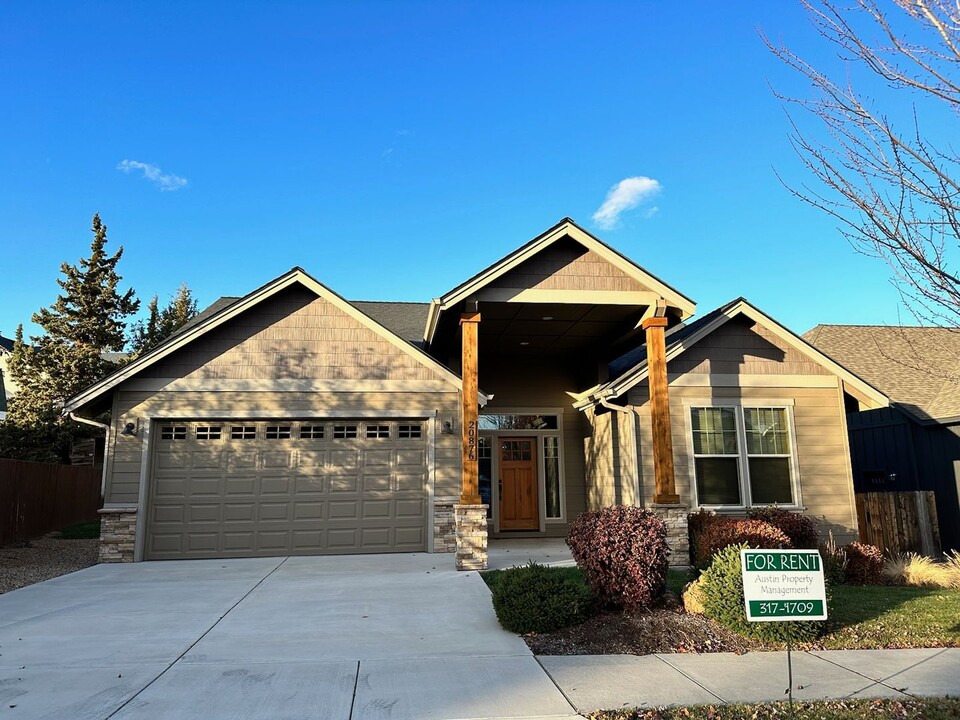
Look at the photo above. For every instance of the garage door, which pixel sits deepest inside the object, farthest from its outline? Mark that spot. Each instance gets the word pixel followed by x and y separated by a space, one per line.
pixel 301 487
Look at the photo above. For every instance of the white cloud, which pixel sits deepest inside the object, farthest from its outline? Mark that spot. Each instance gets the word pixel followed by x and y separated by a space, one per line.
pixel 626 195
pixel 164 181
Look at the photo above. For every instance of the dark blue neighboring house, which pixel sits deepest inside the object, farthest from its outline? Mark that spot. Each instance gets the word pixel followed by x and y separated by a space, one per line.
pixel 915 443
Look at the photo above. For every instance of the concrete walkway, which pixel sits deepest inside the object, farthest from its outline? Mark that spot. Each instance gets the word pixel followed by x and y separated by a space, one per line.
pixel 333 638
pixel 609 682
pixel 364 637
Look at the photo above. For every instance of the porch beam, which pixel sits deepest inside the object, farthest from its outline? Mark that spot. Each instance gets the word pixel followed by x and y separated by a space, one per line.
pixel 469 427
pixel 666 490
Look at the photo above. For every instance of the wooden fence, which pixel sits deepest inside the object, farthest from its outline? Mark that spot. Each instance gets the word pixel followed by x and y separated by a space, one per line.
pixel 36 498
pixel 899 522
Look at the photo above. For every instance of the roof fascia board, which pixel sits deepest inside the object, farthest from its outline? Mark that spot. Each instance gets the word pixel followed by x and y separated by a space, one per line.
pixel 742 307
pixel 563 229
pixel 272 288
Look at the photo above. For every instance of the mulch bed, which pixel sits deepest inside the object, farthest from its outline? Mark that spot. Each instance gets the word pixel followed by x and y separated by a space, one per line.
pixel 640 632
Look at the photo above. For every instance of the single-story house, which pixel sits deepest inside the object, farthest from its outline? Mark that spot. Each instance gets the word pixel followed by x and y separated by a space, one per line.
pixel 914 444
pixel 562 378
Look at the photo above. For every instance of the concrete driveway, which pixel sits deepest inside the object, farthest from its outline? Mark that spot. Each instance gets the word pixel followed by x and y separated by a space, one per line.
pixel 372 636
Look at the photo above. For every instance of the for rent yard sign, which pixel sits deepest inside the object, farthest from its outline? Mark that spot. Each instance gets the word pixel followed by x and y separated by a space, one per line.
pixel 781 585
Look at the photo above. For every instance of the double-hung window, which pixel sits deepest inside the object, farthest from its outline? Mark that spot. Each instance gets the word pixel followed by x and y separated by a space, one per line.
pixel 742 455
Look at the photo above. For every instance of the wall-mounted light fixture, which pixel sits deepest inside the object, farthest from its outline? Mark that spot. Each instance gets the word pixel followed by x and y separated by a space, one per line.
pixel 131 428
pixel 447 428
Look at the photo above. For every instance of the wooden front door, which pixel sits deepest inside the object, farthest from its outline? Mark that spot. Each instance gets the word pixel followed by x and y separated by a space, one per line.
pixel 519 504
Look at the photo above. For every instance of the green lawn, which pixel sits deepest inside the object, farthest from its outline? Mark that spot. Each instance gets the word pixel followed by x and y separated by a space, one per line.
pixel 873 616
pixel 927 709
pixel 82 531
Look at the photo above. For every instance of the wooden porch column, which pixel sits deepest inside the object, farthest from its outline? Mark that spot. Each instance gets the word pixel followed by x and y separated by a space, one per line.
pixel 469 491
pixel 666 492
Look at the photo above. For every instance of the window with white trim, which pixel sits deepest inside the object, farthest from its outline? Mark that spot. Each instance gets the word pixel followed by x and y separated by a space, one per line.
pixel 243 432
pixel 173 432
pixel 378 431
pixel 344 432
pixel 278 432
pixel 208 432
pixel 409 431
pixel 742 455
pixel 311 432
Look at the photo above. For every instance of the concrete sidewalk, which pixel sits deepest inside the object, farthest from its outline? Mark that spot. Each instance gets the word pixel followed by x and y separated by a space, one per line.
pixel 610 682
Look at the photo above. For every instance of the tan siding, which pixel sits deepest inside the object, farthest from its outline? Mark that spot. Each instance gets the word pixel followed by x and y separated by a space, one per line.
pixel 123 479
pixel 742 347
pixel 822 458
pixel 610 460
pixel 567 265
pixel 598 449
pixel 294 335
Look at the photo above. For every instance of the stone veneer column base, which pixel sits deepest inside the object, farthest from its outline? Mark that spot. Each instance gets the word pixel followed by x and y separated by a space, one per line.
pixel 444 528
pixel 471 536
pixel 118 531
pixel 678 537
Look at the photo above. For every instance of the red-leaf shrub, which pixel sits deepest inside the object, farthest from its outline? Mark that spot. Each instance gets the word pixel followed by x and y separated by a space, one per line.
pixel 728 531
pixel 799 528
pixel 864 564
pixel 623 554
pixel 698 522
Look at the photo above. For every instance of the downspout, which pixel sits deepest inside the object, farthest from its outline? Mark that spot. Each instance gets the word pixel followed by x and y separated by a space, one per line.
pixel 106 448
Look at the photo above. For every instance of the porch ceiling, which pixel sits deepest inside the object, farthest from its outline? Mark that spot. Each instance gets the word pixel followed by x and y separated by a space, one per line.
pixel 518 327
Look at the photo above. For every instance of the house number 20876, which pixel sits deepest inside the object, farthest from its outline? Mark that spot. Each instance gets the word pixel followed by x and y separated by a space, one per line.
pixel 472 440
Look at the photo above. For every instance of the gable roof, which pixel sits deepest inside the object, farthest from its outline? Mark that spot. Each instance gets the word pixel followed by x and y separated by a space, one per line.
pixel 632 367
pixel 6 344
pixel 917 367
pixel 564 228
pixel 230 308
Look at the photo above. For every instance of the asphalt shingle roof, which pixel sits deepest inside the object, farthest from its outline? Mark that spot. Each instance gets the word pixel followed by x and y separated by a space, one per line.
pixel 917 367
pixel 406 319
pixel 638 356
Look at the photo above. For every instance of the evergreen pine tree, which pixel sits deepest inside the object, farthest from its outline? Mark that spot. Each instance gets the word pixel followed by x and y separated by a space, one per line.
pixel 88 318
pixel 161 324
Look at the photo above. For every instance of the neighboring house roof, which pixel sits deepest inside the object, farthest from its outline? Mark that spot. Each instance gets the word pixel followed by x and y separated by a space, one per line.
pixel 917 367
pixel 630 369
pixel 565 228
pixel 406 319
pixel 6 344
pixel 212 318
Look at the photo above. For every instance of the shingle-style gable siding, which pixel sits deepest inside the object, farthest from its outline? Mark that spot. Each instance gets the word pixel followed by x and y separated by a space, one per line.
pixel 567 265
pixel 294 335
pixel 742 347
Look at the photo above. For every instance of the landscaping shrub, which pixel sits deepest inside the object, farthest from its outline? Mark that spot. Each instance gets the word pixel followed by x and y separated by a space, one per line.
pixel 536 598
pixel 722 590
pixel 623 553
pixel 698 522
pixel 864 564
pixel 754 533
pixel 921 571
pixel 834 561
pixel 799 528
pixel 693 597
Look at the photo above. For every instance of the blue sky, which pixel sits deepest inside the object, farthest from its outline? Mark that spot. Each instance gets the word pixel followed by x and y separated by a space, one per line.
pixel 393 149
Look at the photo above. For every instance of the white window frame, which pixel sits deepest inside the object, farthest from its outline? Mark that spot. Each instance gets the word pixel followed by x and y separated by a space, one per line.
pixel 742 456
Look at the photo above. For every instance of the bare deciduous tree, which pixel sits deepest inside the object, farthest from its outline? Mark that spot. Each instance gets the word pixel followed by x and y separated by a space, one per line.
pixel 894 190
